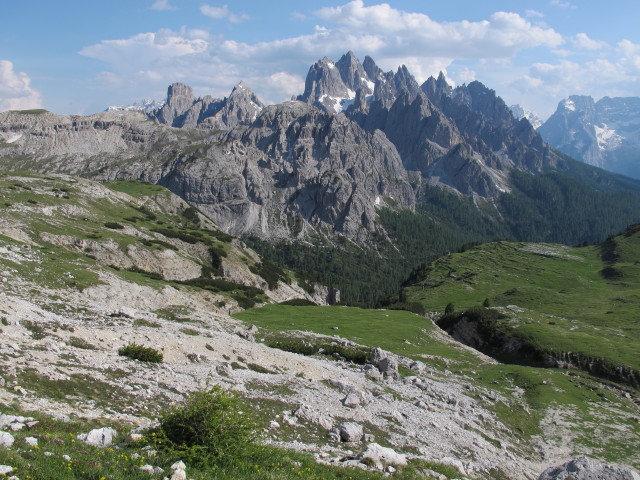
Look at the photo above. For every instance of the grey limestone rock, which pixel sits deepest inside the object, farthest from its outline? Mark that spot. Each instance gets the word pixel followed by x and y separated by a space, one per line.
pixel 382 456
pixel 583 468
pixel 99 437
pixel 6 439
pixel 351 432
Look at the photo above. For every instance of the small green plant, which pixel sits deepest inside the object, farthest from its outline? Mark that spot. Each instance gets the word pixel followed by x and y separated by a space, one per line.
pixel 449 308
pixel 486 303
pixel 207 429
pixel 78 342
pixel 190 331
pixel 37 330
pixel 113 225
pixel 139 352
pixel 298 302
pixel 141 322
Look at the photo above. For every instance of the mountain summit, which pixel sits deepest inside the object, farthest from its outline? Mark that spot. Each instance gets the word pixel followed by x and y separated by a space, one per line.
pixel 605 133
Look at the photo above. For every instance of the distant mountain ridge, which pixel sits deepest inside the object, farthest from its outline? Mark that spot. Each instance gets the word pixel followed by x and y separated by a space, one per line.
pixel 362 158
pixel 605 133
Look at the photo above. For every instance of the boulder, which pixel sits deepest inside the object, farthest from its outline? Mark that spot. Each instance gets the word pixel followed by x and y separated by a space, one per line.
pixel 351 432
pixel 387 365
pixel 99 437
pixel 382 456
pixel 4 469
pixel 6 439
pixel 583 468
pixel 352 400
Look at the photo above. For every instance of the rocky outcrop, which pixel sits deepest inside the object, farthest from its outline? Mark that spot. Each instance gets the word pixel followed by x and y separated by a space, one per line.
pixel 482 332
pixel 183 109
pixel 583 468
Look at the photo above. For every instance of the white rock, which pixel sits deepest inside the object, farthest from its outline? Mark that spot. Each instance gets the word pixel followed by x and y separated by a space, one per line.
pixel 351 432
pixel 382 455
pixel 147 469
pixel 583 468
pixel 16 427
pixel 4 469
pixel 33 441
pixel 99 437
pixel 66 458
pixel 179 465
pixel 352 400
pixel 6 439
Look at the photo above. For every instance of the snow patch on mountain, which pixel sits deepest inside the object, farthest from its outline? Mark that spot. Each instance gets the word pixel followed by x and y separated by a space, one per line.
pixel 147 105
pixel 608 138
pixel 519 112
pixel 569 105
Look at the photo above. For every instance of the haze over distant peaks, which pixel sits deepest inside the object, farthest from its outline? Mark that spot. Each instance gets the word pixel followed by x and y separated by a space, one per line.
pixel 605 133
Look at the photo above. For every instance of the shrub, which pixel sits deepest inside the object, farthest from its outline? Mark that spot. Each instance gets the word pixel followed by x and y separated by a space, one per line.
pixel 298 302
pixel 449 308
pixel 207 429
pixel 138 352
pixel 191 214
pixel 486 303
pixel 113 225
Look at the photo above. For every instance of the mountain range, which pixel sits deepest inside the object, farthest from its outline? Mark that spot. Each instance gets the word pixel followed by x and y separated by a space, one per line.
pixel 363 158
pixel 605 133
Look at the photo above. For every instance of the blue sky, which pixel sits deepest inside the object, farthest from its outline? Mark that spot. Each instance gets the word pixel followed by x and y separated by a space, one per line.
pixel 79 56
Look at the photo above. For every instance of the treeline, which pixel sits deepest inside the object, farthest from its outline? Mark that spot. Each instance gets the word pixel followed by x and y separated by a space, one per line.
pixel 578 205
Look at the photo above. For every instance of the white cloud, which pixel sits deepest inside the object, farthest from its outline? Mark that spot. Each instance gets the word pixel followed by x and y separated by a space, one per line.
pixel 162 5
pixel 583 42
pixel 533 14
pixel 146 49
pixel 562 4
pixel 15 90
pixel 148 62
pixel 502 35
pixel 223 12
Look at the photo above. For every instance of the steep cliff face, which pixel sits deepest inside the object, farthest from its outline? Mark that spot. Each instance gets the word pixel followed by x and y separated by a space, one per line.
pixel 295 164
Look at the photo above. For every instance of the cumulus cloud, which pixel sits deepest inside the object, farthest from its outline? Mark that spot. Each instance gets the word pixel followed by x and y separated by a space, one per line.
pixel 15 90
pixel 147 48
pixel 391 36
pixel 223 12
pixel 501 36
pixel 162 5
pixel 583 42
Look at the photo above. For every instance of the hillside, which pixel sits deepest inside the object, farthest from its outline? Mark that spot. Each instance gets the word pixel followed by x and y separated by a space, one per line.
pixel 77 288
pixel 557 305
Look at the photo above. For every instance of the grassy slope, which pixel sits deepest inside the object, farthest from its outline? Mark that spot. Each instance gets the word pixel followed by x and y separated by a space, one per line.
pixel 589 405
pixel 569 304
pixel 59 206
pixel 401 332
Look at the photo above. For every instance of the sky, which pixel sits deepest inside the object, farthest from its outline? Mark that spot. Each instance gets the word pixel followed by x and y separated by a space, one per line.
pixel 80 56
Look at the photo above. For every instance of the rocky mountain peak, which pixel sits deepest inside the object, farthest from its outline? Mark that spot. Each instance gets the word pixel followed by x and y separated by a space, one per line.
pixel 373 71
pixel 183 109
pixel 604 133
pixel 354 75
pixel 436 89
pixel 324 86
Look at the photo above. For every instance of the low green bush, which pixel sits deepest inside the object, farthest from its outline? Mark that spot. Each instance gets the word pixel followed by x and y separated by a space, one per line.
pixel 207 429
pixel 113 225
pixel 139 352
pixel 299 302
